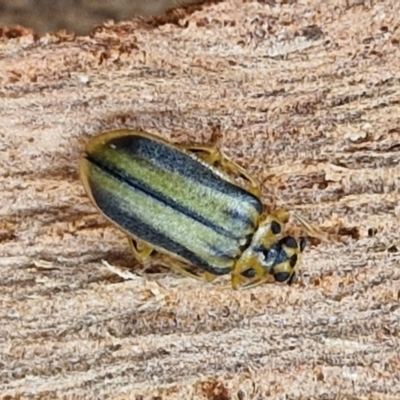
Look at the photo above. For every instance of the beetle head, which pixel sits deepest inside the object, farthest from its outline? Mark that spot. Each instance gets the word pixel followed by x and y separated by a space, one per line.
pixel 281 258
pixel 278 260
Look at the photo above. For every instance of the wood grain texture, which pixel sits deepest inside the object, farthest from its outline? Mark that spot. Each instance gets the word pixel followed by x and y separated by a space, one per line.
pixel 306 97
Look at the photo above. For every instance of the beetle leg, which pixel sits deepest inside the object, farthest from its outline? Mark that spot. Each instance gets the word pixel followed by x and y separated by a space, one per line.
pixel 147 253
pixel 215 157
pixel 258 282
pixel 144 254
pixel 243 264
pixel 184 268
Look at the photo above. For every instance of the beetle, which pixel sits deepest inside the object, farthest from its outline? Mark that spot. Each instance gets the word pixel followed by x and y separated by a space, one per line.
pixel 190 208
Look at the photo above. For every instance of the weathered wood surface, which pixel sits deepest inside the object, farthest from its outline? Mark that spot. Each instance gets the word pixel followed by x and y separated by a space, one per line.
pixel 306 97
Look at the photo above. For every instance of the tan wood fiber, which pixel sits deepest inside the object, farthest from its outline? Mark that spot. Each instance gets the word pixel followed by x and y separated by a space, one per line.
pixel 305 95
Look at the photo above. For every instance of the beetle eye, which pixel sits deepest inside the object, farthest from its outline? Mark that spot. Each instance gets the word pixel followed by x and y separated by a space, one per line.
pixel 281 276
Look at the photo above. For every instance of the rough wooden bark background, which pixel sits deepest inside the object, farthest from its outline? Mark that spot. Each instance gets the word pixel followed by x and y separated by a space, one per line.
pixel 306 96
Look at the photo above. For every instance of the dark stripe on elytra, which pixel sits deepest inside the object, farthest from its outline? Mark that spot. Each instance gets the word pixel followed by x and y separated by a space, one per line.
pixel 240 217
pixel 141 187
pixel 228 253
pixel 178 162
pixel 147 233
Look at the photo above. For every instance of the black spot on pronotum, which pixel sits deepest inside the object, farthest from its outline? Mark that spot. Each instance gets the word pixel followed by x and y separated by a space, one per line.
pixel 249 273
pixel 281 276
pixel 293 260
pixel 275 228
pixel 289 241
pixel 303 243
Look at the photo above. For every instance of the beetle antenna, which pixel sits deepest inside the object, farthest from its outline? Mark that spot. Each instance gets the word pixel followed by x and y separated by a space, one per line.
pixel 310 229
